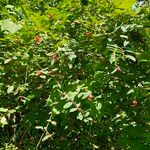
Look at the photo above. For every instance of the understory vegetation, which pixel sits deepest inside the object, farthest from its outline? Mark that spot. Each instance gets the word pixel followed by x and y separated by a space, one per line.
pixel 74 75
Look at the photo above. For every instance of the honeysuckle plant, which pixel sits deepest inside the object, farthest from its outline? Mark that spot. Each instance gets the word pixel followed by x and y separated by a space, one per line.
pixel 74 75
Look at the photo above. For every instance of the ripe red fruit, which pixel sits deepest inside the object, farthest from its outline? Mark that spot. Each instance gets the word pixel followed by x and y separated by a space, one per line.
pixel 39 73
pixel 54 56
pixel 52 72
pixel 91 97
pixel 38 39
pixel 88 34
pixel 118 69
pixel 134 103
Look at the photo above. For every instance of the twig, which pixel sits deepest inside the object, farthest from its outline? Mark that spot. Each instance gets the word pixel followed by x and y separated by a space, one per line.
pixel 37 146
pixel 26 76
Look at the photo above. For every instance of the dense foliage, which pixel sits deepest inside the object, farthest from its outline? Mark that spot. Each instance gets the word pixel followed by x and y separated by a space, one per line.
pixel 74 75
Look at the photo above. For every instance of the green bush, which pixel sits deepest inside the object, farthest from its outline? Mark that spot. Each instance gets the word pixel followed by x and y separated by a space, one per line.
pixel 74 75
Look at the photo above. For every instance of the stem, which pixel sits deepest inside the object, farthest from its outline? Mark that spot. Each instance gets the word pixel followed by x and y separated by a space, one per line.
pixel 40 140
pixel 26 76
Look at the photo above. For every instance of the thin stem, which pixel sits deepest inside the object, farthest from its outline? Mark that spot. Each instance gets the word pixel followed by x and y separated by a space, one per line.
pixel 42 136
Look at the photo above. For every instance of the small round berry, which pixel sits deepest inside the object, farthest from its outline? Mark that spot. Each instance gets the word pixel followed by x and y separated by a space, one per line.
pixel 38 39
pixel 134 103
pixel 118 69
pixel 52 72
pixel 39 73
pixel 88 34
pixel 91 97
pixel 54 56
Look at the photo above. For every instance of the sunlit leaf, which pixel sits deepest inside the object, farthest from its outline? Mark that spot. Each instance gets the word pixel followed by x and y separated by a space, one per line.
pixel 73 109
pixel 10 26
pixel 10 89
pixel 3 109
pixel 130 57
pixel 67 105
pixel 3 121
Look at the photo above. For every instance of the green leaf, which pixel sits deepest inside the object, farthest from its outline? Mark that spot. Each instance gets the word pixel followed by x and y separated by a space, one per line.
pixel 10 7
pixel 3 109
pixel 88 119
pixel 87 114
pixel 10 89
pixel 113 58
pixel 86 95
pixel 39 127
pixel 10 26
pixel 95 146
pixel 130 57
pixel 3 121
pixel 46 137
pixel 43 77
pixel 72 56
pixel 11 111
pixel 125 4
pixel 52 122
pixel 67 105
pixel 80 116
pixel 55 111
pixel 99 106
pixel 73 109
pixel 125 43
pixel 130 91
pixel 71 95
pixel 7 61
pixel 80 94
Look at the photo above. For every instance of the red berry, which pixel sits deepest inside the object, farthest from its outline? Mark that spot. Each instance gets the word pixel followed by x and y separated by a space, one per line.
pixel 88 34
pixel 91 97
pixel 52 72
pixel 134 103
pixel 38 39
pixel 39 73
pixel 118 69
pixel 54 56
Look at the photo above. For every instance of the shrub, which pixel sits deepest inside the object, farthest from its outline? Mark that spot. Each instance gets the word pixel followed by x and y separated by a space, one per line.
pixel 74 75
